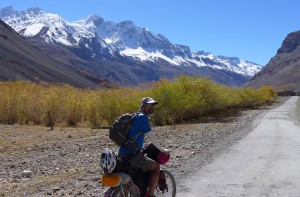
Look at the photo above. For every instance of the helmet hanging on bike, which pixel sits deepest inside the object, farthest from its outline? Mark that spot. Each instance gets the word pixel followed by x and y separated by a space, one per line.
pixel 108 160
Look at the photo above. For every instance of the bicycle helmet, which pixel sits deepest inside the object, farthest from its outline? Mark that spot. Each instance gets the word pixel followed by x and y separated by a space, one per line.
pixel 108 160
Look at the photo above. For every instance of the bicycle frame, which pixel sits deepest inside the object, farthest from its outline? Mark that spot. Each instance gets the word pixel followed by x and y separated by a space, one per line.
pixel 123 190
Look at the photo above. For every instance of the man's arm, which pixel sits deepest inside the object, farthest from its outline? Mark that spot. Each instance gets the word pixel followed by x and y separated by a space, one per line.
pixel 155 141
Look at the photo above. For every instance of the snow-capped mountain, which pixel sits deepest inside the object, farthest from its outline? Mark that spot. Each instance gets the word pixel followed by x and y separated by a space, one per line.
pixel 96 40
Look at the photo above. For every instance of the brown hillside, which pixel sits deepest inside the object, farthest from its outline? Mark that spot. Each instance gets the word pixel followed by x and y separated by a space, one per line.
pixel 19 59
pixel 283 70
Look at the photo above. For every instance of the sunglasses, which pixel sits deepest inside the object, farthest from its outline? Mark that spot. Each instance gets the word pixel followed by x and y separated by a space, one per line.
pixel 149 105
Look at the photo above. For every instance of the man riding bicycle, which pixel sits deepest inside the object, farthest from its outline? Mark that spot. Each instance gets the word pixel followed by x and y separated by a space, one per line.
pixel 140 128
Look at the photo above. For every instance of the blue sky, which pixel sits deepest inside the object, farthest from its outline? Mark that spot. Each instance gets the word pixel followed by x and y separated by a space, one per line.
pixel 252 30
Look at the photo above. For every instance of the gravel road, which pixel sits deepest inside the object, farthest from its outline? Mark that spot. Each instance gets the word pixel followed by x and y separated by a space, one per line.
pixel 264 163
pixel 35 161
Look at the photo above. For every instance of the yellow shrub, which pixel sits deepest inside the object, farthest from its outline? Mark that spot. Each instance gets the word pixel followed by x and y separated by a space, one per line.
pixel 73 104
pixel 179 100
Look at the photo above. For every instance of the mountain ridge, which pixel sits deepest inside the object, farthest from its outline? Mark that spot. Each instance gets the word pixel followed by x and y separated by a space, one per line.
pixel 102 42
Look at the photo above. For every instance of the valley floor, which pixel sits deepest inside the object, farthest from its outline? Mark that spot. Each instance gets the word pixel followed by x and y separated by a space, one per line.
pixel 35 161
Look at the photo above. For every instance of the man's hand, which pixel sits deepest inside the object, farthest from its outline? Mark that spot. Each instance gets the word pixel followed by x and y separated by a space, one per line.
pixel 167 151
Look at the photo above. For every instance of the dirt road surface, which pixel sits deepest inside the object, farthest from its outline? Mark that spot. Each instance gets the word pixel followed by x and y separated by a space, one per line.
pixel 264 163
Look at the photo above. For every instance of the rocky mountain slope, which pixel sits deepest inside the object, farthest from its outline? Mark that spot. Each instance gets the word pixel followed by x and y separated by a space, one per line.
pixel 20 59
pixel 283 70
pixel 122 52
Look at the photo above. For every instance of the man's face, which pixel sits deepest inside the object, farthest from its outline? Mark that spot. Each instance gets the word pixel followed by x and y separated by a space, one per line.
pixel 148 108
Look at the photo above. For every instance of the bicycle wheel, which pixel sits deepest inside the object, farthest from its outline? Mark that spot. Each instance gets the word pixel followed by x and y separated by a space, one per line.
pixel 170 189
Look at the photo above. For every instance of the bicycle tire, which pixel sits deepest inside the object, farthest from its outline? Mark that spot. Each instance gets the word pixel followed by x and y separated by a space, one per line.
pixel 171 192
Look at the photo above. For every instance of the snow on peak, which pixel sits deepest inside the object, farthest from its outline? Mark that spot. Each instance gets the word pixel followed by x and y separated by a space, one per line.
pixel 124 38
pixel 32 30
pixel 142 55
pixel 91 19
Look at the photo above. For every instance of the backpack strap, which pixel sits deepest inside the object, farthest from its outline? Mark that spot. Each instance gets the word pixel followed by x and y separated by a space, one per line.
pixel 130 143
pixel 133 139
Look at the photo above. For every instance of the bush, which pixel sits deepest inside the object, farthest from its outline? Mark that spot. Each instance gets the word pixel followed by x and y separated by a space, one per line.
pixel 182 99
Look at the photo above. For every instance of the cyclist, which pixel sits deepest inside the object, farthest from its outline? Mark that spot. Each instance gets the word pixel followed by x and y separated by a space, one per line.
pixel 139 129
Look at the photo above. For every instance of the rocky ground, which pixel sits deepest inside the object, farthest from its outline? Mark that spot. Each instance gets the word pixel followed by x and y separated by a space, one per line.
pixel 35 161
